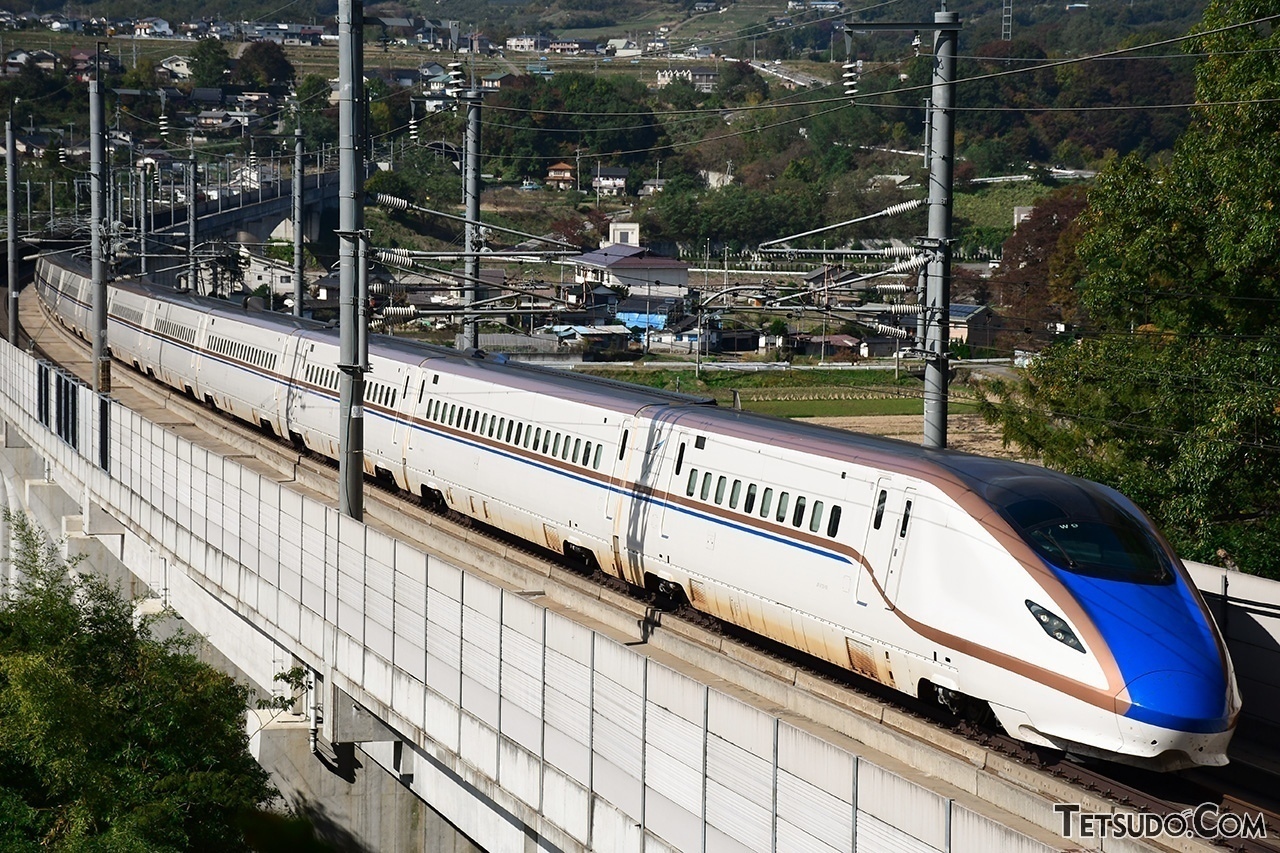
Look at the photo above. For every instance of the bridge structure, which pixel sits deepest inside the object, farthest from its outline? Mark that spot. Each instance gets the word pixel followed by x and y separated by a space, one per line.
pixel 529 708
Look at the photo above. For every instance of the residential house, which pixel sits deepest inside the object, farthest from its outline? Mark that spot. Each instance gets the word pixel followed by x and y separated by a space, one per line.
pixel 609 180
pixel 528 43
pixel 667 76
pixel 704 79
pixel 475 43
pixel 705 7
pixel 574 46
pixel 826 6
pixel 643 274
pixel 439 34
pixel 612 338
pixel 276 276
pixel 152 28
pixel 652 186
pixel 178 67
pixel 975 325
pixel 497 81
pixel 561 177
pixel 621 47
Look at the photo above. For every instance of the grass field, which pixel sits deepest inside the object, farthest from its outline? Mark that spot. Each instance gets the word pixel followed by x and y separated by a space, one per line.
pixel 794 394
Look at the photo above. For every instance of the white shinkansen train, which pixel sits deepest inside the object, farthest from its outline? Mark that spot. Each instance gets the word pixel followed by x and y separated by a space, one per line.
pixel 979 582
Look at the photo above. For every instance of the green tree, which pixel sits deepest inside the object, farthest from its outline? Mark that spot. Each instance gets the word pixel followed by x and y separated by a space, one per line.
pixel 111 739
pixel 209 63
pixel 1170 394
pixel 264 63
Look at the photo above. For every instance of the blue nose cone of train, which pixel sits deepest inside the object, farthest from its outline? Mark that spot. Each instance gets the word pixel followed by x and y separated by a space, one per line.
pixel 1168 652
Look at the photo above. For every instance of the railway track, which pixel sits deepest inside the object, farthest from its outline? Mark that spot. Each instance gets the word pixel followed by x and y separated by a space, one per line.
pixel 1243 790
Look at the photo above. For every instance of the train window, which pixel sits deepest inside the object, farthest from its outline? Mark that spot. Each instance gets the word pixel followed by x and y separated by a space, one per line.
pixel 766 501
pixel 734 494
pixel 484 422
pixel 782 506
pixel 700 442
pixel 537 438
pixel 586 454
pixel 435 413
pixel 495 426
pixel 720 483
pixel 750 503
pixel 467 420
pixel 595 463
pixel 833 521
pixel 511 425
pixel 797 517
pixel 880 502
pixel 622 445
pixel 435 379
pixel 706 486
pixel 453 410
pixel 906 516
pixel 564 454
pixel 692 485
pixel 555 448
pixel 680 459
pixel 815 520
pixel 546 440
pixel 577 449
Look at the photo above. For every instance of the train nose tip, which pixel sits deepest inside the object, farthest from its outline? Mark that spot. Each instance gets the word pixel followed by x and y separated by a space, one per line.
pixel 1179 700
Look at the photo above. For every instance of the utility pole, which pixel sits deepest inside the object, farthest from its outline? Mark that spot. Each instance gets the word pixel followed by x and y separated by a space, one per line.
pixel 298 265
pixel 350 233
pixel 193 270
pixel 938 297
pixel 11 216
pixel 471 97
pixel 97 188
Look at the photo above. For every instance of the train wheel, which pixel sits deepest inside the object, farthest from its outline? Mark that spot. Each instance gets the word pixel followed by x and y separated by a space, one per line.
pixel 668 595
pixel 966 707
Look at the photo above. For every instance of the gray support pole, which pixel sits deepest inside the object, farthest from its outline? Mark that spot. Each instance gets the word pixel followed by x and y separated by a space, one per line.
pixel 937 308
pixel 350 224
pixel 97 187
pixel 144 187
pixel 298 265
pixel 472 265
pixel 11 199
pixel 193 273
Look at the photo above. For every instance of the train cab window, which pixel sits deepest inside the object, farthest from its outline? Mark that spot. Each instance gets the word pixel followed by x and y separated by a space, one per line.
pixel 622 445
pixel 692 485
pixel 833 521
pixel 766 503
pixel 680 459
pixel 555 447
pixel 435 379
pixel 906 516
pixel 720 484
pixel 750 503
pixel 734 494
pixel 783 498
pixel 577 449
pixel 422 389
pixel 797 517
pixel 706 485
pixel 700 442
pixel 880 502
pixel 815 520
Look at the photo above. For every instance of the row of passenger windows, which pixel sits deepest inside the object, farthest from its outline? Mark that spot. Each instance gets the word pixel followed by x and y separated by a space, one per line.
pixel 380 394
pixel 762 502
pixel 176 330
pixel 548 442
pixel 242 351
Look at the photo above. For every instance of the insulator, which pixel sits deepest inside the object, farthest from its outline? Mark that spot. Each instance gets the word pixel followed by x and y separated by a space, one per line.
pixel 164 125
pixel 850 79
pixel 384 200
pixel 909 265
pixel 393 254
pixel 898 251
pixel 891 288
pixel 891 331
pixel 894 210
pixel 904 309
pixel 399 314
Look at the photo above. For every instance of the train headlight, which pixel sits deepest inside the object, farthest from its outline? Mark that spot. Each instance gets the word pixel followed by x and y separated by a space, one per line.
pixel 1055 626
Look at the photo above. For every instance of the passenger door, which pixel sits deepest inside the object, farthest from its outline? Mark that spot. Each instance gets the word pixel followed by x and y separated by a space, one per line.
pixel 891 506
